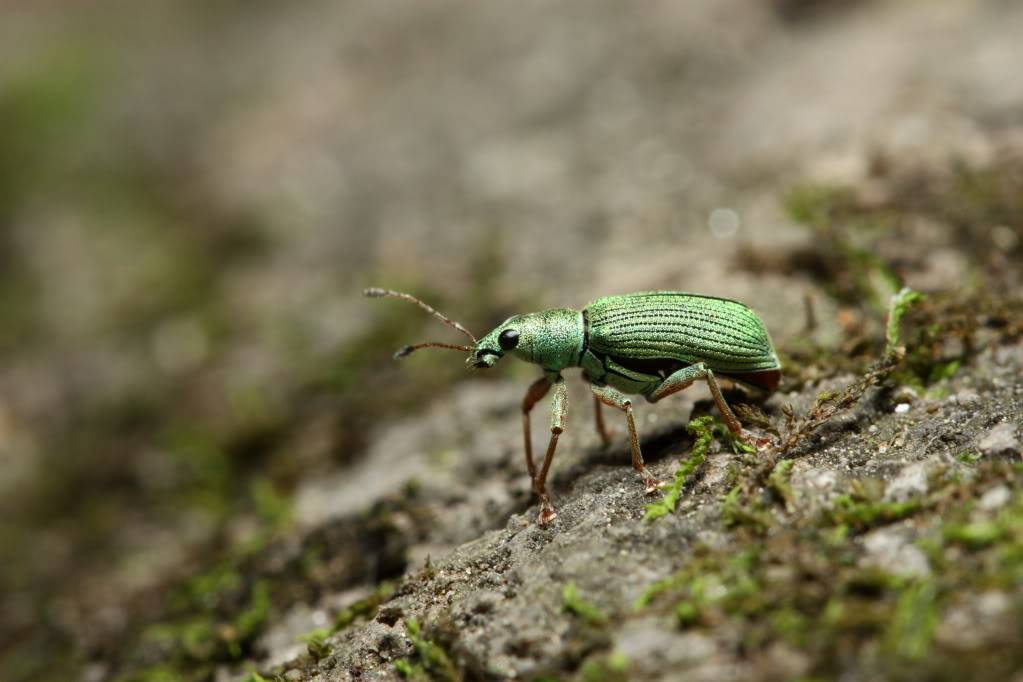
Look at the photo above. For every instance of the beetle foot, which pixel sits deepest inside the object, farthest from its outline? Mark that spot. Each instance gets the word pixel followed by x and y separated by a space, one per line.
pixel 758 444
pixel 651 484
pixel 547 513
pixel 755 442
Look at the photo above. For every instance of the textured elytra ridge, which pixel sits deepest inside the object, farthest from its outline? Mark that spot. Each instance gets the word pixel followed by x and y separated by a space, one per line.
pixel 725 335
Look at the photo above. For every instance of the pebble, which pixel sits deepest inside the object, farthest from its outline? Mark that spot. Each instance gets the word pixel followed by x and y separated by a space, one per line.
pixel 967 396
pixel 1000 439
pixel 902 408
pixel 995 498
pixel 891 551
pixel 910 482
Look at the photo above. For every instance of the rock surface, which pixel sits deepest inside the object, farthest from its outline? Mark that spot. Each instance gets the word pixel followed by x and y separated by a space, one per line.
pixel 213 470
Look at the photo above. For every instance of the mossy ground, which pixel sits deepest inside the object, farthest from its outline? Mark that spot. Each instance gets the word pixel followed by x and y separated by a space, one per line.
pixel 183 360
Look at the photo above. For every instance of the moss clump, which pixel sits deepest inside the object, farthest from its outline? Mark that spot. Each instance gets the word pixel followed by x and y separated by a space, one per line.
pixel 751 514
pixel 363 608
pixel 702 429
pixel 807 585
pixel 613 667
pixel 862 514
pixel 432 662
pixel 572 602
pixel 913 620
pixel 780 485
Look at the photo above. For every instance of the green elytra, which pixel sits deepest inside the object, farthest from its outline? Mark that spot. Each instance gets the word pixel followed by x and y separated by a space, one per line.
pixel 651 343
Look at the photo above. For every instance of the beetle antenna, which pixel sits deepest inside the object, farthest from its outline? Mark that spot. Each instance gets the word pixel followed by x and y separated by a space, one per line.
pixel 405 351
pixel 379 293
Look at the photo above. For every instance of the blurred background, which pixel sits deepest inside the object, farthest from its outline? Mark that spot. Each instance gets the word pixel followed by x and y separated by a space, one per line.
pixel 193 195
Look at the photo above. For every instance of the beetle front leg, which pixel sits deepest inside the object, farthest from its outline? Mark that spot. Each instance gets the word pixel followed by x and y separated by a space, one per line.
pixel 684 377
pixel 537 390
pixel 559 407
pixel 615 398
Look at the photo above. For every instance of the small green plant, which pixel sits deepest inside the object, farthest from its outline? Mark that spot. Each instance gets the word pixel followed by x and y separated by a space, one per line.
pixel 862 514
pixel 364 608
pixel 702 428
pixel 613 667
pixel 573 603
pixel 915 618
pixel 433 664
pixel 750 514
pixel 779 483
pixel 317 644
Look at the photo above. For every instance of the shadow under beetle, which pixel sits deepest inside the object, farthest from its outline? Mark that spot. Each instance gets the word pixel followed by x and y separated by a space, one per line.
pixel 652 344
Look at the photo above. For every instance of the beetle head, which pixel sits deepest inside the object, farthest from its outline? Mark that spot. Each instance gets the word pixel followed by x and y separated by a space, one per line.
pixel 511 336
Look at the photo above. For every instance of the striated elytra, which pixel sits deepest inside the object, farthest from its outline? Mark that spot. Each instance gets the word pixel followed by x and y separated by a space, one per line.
pixel 652 343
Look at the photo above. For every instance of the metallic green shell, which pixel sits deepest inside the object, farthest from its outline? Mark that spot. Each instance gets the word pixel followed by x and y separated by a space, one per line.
pixel 723 334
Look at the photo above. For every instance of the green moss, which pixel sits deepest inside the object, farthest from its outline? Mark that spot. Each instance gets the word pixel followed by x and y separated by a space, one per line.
pixel 613 667
pixel 969 456
pixel 976 534
pixel 572 602
pixel 737 513
pixel 272 507
pixel 914 620
pixel 814 204
pixel 205 638
pixel 779 483
pixel 253 617
pixel 864 515
pixel 863 509
pixel 899 305
pixel 208 590
pixel 364 608
pixel 702 429
pixel 159 673
pixel 316 643
pixel 432 661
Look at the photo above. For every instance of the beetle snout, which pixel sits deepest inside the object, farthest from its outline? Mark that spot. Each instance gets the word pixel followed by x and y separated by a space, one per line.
pixel 483 359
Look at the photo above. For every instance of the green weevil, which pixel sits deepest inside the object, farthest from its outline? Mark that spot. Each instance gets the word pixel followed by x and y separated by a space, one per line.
pixel 652 344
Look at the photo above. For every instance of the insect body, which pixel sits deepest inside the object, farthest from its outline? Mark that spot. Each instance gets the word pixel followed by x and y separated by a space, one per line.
pixel 651 344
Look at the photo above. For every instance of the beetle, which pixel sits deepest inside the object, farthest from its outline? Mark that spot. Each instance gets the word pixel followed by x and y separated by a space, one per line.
pixel 652 343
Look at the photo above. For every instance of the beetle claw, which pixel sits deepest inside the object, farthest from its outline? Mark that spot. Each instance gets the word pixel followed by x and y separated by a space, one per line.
pixel 652 485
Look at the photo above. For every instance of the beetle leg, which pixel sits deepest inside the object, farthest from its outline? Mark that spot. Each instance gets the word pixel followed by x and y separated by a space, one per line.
pixel 537 390
pixel 598 415
pixel 559 407
pixel 615 398
pixel 684 377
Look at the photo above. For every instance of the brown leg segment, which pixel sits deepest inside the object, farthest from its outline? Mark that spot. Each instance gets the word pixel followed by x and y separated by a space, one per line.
pixel 684 378
pixel 559 407
pixel 598 416
pixel 615 398
pixel 537 390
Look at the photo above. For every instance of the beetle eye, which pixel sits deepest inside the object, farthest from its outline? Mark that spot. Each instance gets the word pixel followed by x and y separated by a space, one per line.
pixel 508 339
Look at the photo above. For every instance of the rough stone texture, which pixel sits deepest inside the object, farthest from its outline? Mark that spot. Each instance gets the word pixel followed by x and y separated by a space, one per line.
pixel 1000 440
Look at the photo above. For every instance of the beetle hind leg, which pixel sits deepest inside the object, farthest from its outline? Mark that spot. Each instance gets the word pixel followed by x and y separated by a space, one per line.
pixel 617 399
pixel 683 379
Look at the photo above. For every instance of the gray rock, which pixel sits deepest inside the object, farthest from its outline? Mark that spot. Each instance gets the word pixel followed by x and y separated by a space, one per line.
pixel 910 482
pixel 995 498
pixel 1000 439
pixel 891 550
